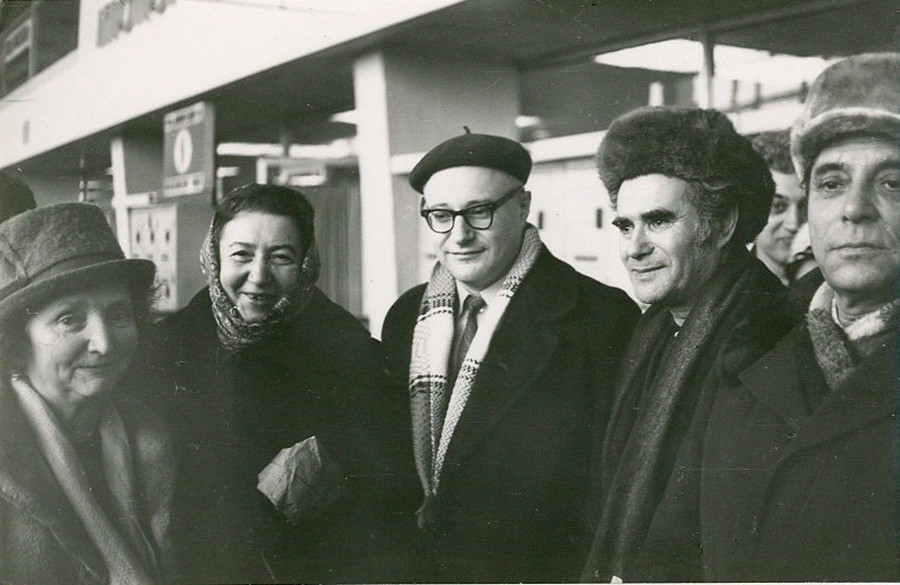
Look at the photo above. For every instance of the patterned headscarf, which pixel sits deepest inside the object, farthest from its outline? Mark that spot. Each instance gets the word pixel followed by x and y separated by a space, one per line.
pixel 233 331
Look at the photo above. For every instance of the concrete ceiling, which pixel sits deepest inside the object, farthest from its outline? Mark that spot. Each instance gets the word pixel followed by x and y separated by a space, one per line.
pixel 535 35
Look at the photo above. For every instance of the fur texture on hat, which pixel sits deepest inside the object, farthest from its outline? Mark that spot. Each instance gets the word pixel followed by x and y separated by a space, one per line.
pixel 859 96
pixel 50 250
pixel 695 145
pixel 473 150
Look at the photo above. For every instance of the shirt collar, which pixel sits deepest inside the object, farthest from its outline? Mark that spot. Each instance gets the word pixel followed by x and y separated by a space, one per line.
pixel 489 294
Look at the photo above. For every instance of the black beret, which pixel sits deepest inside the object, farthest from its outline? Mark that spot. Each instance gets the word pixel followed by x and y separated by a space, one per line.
pixel 473 150
pixel 693 145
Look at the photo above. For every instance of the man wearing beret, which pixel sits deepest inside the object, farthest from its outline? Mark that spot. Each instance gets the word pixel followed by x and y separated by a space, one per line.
pixel 689 194
pixel 800 475
pixel 507 354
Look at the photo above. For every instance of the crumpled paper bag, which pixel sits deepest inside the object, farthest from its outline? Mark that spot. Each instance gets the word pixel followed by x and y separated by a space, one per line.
pixel 302 481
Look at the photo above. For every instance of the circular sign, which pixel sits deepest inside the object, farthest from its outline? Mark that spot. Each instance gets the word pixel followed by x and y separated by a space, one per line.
pixel 182 151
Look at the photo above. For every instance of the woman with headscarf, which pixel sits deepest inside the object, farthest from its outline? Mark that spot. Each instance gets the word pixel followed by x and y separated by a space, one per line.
pixel 86 475
pixel 276 399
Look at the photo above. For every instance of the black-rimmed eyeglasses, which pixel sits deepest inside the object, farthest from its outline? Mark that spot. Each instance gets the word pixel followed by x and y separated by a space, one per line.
pixel 477 217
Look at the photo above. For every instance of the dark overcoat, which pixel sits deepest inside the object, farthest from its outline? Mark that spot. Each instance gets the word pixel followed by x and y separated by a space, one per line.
pixel 321 376
pixel 791 494
pixel 42 539
pixel 511 499
pixel 744 314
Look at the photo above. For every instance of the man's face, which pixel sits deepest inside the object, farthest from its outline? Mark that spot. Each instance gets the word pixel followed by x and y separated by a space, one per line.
pixel 477 258
pixel 662 246
pixel 787 214
pixel 854 219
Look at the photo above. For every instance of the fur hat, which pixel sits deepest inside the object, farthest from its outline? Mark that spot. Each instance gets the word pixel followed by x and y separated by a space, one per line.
pixel 49 250
pixel 859 95
pixel 694 145
pixel 473 150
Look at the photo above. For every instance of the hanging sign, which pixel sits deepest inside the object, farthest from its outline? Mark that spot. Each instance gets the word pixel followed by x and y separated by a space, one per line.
pixel 189 146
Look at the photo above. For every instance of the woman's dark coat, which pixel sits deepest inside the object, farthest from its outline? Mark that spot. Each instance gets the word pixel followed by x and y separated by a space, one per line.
pixel 511 500
pixel 791 494
pixel 234 411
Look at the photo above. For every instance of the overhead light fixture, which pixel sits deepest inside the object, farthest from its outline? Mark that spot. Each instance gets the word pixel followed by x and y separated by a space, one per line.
pixel 733 63
pixel 528 121
pixel 337 149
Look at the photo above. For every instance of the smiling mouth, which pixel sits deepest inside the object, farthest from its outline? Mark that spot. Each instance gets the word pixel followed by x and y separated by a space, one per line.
pixel 259 297
pixel 859 248
pixel 646 270
pixel 97 367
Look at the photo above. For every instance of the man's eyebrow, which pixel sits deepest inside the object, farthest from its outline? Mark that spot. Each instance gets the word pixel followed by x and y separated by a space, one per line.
pixel 891 163
pixel 828 167
pixel 621 222
pixel 841 166
pixel 658 215
pixel 466 205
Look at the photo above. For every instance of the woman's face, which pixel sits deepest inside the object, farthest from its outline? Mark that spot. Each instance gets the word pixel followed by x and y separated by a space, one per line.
pixel 80 345
pixel 260 256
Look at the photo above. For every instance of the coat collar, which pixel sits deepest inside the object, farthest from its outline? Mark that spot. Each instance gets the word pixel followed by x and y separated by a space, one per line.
pixel 864 398
pixel 519 351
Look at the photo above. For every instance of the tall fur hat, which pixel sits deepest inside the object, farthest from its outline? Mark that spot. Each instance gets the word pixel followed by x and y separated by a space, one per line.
pixel 694 145
pixel 857 96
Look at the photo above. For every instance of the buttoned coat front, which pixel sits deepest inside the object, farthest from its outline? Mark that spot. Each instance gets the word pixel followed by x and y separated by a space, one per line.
pixel 510 506
pixel 791 494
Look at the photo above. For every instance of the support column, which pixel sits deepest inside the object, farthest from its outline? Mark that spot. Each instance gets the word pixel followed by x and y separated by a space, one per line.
pixel 706 96
pixel 406 104
pixel 379 259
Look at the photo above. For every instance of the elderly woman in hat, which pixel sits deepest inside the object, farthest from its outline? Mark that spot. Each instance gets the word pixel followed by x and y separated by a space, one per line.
pixel 276 388
pixel 86 476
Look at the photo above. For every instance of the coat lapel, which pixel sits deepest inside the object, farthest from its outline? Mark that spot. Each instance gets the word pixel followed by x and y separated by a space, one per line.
pixel 519 352
pixel 864 399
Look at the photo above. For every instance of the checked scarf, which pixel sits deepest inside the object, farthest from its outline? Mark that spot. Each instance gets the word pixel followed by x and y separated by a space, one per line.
pixel 430 399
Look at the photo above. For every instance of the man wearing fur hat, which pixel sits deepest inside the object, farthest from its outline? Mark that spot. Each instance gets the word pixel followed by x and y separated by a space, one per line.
pixel 689 193
pixel 800 475
pixel 507 354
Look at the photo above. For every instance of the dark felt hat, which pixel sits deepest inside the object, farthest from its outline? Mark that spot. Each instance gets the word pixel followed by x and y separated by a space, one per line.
pixel 473 150
pixel 50 250
pixel 694 145
pixel 859 95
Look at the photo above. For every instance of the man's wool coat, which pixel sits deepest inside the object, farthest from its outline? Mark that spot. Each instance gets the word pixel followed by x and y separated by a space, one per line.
pixel 791 494
pixel 511 499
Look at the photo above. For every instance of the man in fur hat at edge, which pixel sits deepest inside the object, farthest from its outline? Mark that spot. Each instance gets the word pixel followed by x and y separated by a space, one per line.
pixel 507 355
pixel 689 193
pixel 800 468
